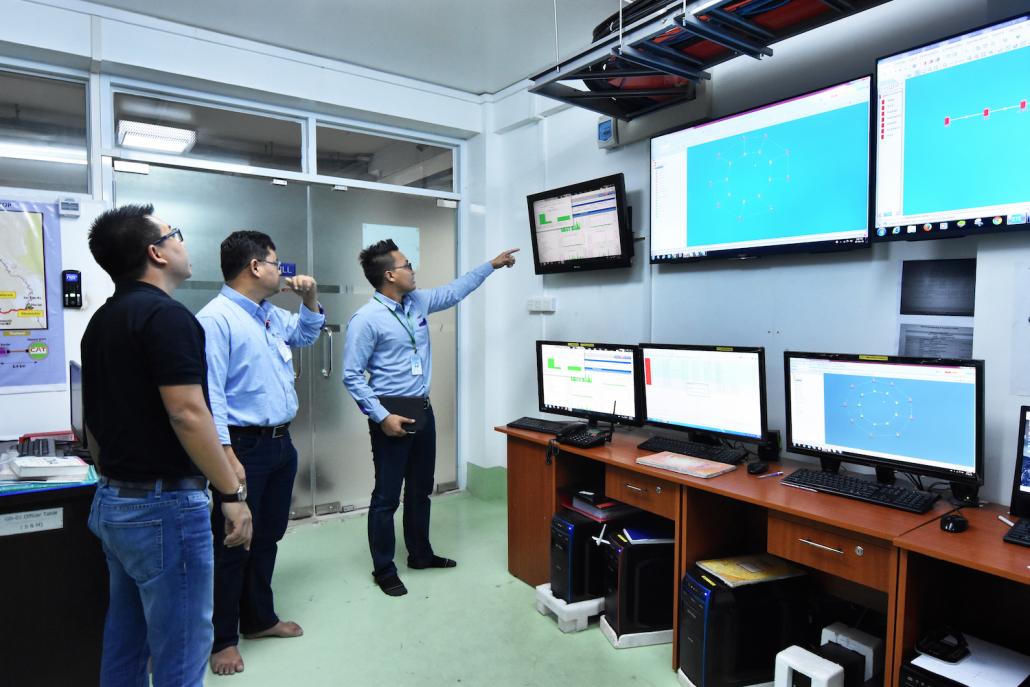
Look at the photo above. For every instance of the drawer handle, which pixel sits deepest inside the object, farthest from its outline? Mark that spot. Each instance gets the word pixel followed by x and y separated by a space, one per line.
pixel 839 552
pixel 634 488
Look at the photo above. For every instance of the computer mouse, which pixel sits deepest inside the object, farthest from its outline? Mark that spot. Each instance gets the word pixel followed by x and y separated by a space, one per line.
pixel 954 522
pixel 757 467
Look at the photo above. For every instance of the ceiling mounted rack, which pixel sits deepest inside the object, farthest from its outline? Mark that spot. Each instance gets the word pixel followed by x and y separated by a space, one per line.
pixel 665 47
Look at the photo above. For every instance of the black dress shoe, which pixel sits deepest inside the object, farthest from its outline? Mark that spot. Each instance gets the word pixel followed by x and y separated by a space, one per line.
pixel 435 562
pixel 392 586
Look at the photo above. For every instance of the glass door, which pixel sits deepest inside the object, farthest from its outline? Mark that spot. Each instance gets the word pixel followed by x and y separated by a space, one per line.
pixel 209 206
pixel 344 222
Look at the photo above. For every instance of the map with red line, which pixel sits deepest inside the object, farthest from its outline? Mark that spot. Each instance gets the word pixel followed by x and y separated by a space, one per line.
pixel 23 298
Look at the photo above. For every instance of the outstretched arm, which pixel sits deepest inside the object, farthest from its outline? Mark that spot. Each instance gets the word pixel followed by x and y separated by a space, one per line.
pixel 449 295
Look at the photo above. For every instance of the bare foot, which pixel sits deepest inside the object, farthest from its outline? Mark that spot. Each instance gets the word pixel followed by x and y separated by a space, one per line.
pixel 283 628
pixel 227 661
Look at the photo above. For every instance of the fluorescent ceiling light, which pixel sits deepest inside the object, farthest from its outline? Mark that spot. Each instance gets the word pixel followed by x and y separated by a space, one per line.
pixel 44 153
pixel 162 139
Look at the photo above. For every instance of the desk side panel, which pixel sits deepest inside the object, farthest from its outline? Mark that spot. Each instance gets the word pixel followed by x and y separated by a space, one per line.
pixel 531 504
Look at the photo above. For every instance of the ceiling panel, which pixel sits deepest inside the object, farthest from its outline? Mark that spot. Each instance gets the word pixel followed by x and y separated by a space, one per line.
pixel 478 46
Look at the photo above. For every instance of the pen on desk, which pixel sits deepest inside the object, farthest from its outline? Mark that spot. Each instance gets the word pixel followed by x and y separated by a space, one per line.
pixel 1007 522
pixel 771 474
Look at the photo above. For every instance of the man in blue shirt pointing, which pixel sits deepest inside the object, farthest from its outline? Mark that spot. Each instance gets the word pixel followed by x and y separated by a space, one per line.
pixel 388 338
pixel 253 400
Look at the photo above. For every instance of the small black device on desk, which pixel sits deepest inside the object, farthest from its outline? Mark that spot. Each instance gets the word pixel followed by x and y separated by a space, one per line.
pixel 580 435
pixel 954 522
pixel 71 288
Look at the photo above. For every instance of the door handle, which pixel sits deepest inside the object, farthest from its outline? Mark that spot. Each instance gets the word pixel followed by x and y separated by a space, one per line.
pixel 327 367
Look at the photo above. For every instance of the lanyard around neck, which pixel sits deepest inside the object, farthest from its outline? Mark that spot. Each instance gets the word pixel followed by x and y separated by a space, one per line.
pixel 410 331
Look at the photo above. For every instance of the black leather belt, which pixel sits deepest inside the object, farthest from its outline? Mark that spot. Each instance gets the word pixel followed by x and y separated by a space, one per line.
pixel 137 489
pixel 274 432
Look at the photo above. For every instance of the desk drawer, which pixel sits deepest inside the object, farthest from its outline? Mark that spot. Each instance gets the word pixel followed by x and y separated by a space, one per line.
pixel 643 491
pixel 841 553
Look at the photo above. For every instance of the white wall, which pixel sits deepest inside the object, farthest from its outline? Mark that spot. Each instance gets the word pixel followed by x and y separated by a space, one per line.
pixel 846 302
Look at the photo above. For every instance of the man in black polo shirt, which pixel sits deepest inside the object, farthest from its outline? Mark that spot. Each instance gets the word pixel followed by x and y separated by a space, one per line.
pixel 154 441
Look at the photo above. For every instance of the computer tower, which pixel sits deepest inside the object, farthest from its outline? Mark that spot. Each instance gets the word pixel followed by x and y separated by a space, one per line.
pixel 639 584
pixel 577 565
pixel 729 637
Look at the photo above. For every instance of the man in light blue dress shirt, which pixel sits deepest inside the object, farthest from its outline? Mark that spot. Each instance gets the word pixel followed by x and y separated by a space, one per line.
pixel 389 339
pixel 253 400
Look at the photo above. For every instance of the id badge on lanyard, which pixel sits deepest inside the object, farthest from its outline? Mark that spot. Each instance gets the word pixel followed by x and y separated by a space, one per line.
pixel 416 365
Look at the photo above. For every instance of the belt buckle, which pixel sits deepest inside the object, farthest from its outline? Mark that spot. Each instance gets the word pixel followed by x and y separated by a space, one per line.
pixel 279 431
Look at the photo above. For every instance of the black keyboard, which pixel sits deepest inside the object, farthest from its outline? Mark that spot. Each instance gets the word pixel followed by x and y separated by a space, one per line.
pixel 1019 533
pixel 537 425
pixel 890 495
pixel 37 447
pixel 720 454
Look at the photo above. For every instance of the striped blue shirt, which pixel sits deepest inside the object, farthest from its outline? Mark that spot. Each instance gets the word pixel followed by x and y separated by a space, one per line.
pixel 379 342
pixel 249 363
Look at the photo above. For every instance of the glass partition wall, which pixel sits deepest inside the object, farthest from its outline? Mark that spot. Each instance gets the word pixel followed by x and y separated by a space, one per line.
pixel 321 230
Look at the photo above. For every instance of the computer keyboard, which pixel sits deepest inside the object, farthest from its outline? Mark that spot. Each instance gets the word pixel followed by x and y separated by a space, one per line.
pixel 720 454
pixel 37 447
pixel 1019 533
pixel 537 425
pixel 901 498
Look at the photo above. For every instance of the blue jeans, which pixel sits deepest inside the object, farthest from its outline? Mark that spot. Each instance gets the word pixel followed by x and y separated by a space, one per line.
pixel 243 579
pixel 161 565
pixel 410 460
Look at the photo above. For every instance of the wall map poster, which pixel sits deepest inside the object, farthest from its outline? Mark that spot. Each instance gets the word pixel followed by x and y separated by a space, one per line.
pixel 31 316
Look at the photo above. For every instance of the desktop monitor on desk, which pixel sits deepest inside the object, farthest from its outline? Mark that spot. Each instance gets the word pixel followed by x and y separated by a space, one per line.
pixel 589 380
pixel 923 416
pixel 1020 505
pixel 718 391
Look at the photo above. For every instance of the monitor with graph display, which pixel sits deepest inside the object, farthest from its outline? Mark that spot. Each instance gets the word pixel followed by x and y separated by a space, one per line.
pixel 792 176
pixel 589 380
pixel 952 126
pixel 923 416
pixel 717 390
pixel 584 226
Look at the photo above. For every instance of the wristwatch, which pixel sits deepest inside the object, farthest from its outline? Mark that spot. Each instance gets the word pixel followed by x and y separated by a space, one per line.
pixel 239 496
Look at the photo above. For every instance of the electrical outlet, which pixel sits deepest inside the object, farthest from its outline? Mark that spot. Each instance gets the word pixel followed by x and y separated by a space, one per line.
pixel 541 304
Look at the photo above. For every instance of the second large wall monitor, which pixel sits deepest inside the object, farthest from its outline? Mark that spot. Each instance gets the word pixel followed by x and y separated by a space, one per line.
pixel 788 177
pixel 953 129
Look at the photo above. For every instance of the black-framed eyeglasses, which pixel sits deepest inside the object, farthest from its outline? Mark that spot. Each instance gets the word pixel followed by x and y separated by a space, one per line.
pixel 278 264
pixel 173 232
pixel 405 266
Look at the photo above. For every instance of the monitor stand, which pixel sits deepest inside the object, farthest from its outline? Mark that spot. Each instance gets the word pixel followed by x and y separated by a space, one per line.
pixel 703 438
pixel 966 494
pixel 883 475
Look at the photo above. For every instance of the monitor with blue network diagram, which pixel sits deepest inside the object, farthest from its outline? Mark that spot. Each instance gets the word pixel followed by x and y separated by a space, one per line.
pixel 952 121
pixel 919 415
pixel 791 176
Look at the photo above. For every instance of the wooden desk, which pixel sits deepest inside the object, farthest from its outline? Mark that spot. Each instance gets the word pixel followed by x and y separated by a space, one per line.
pixel 972 581
pixel 848 545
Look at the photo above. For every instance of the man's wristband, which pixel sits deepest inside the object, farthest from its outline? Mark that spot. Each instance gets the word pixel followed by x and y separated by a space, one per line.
pixel 239 496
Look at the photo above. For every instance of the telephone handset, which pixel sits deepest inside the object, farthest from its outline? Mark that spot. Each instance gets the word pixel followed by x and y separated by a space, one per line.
pixel 572 428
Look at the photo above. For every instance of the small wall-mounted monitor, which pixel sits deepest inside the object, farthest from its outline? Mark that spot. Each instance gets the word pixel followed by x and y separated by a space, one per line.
pixel 952 131
pixel 789 177
pixel 584 226
pixel 589 380
pixel 715 390
pixel 923 416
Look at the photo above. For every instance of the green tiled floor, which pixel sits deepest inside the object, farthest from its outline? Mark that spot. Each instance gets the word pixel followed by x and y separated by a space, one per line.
pixel 470 626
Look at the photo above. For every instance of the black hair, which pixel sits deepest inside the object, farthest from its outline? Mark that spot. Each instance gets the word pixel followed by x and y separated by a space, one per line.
pixel 240 247
pixel 376 261
pixel 119 240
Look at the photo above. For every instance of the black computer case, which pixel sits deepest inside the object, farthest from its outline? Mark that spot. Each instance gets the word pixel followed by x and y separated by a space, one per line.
pixel 577 563
pixel 639 585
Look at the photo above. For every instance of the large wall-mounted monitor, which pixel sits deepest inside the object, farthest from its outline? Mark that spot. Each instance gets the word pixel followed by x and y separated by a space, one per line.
pixel 716 390
pixel 952 131
pixel 589 380
pixel 920 415
pixel 584 226
pixel 793 176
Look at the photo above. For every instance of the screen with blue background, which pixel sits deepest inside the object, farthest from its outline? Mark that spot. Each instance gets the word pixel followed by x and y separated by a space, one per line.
pixel 802 177
pixel 906 417
pixel 974 161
